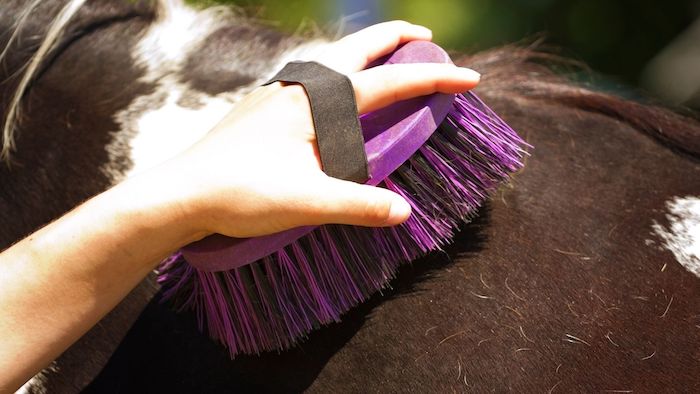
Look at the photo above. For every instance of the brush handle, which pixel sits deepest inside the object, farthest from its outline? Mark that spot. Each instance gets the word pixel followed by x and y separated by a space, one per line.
pixel 392 135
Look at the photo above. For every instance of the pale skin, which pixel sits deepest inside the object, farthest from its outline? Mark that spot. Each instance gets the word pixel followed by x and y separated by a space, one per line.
pixel 59 281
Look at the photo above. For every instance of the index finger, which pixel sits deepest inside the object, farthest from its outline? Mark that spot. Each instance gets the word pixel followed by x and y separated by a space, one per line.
pixel 355 51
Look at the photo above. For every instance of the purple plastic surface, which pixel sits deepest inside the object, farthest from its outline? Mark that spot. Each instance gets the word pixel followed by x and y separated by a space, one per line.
pixel 392 135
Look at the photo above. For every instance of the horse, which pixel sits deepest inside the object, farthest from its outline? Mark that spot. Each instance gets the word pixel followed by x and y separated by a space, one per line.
pixel 581 275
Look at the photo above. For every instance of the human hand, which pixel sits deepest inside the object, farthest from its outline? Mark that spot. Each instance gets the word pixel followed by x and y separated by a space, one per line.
pixel 258 171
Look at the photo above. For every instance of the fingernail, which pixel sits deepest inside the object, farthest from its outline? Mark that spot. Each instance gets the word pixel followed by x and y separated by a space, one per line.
pixel 398 213
pixel 468 73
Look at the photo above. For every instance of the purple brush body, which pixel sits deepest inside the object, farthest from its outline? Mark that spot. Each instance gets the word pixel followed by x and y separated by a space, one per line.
pixel 266 293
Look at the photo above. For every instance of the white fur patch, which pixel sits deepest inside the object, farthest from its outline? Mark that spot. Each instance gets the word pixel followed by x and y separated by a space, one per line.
pixel 159 125
pixel 171 129
pixel 178 30
pixel 682 236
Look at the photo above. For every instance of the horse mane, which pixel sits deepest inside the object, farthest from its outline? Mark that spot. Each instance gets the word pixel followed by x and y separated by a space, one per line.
pixel 53 35
pixel 56 33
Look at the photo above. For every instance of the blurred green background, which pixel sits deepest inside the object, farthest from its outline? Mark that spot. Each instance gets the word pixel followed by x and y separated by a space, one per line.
pixel 616 38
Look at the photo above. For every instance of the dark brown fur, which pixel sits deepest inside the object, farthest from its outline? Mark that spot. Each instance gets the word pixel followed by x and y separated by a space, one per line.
pixel 552 289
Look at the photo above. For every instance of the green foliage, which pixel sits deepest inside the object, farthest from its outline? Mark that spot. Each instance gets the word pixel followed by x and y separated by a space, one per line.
pixel 616 37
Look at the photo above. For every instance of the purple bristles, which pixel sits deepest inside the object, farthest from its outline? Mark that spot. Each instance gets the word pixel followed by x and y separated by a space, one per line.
pixel 274 302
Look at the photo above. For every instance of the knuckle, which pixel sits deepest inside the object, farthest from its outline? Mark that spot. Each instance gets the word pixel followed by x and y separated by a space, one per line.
pixel 393 27
pixel 398 23
pixel 296 94
pixel 377 211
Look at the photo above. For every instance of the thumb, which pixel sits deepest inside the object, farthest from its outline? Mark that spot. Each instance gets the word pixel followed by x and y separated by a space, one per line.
pixel 344 202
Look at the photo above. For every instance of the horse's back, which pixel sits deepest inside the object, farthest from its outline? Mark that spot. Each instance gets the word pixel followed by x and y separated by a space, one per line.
pixel 571 280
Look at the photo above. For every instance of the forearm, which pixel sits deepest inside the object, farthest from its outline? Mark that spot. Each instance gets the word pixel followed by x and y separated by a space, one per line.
pixel 58 282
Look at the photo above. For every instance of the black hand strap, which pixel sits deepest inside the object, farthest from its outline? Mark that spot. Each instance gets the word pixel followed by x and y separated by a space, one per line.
pixel 334 111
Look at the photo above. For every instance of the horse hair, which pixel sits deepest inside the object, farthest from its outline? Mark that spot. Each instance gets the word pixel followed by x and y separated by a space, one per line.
pixel 53 36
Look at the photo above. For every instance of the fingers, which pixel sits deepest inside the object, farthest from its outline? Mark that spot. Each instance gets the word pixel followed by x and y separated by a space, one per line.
pixel 378 87
pixel 355 51
pixel 337 201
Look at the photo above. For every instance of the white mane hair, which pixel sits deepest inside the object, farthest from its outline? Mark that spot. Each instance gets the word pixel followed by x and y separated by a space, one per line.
pixel 53 36
pixel 49 43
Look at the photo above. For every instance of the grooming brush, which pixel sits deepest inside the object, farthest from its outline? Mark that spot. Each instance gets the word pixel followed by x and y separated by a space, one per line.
pixel 443 153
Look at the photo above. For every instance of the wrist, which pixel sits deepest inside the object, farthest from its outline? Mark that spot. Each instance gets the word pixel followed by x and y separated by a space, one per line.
pixel 158 207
